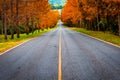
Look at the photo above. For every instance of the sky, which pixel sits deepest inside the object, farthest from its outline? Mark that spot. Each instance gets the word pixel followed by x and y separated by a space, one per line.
pixel 57 2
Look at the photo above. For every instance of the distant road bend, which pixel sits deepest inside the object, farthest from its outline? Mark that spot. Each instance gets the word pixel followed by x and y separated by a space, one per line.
pixel 61 54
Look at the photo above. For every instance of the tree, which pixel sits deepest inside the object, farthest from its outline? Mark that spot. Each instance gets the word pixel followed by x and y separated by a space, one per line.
pixel 17 22
pixel 50 19
pixel 100 15
pixel 20 16
pixel 11 16
pixel 4 20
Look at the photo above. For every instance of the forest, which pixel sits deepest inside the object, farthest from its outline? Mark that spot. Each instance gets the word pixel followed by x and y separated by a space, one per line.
pixel 96 15
pixel 25 16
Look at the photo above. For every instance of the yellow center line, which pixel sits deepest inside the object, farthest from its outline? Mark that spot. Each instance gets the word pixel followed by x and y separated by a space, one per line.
pixel 60 58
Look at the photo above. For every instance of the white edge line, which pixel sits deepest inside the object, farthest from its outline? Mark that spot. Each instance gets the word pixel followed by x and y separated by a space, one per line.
pixel 98 39
pixel 19 45
pixel 15 47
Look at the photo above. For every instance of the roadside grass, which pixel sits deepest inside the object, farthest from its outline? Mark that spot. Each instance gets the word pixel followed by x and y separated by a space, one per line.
pixel 7 44
pixel 107 36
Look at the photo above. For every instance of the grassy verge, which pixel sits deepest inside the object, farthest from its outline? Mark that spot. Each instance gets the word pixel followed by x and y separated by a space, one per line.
pixel 7 44
pixel 107 36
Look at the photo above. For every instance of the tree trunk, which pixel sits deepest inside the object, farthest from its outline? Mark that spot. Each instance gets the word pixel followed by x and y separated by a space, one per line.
pixel 12 28
pixel 27 26
pixel 27 20
pixel 98 16
pixel 17 25
pixel 119 22
pixel 38 26
pixel 81 23
pixel 107 25
pixel 98 20
pixel 3 23
pixel 32 25
pixel 4 20
pixel 78 24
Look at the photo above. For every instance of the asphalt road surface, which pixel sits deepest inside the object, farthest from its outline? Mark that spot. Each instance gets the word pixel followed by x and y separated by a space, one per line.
pixel 83 58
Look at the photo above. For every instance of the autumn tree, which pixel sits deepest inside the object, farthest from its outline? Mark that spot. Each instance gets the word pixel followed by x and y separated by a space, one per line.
pixel 70 13
pixel 11 19
pixel 4 18
pixel 50 19
pixel 29 13
pixel 100 15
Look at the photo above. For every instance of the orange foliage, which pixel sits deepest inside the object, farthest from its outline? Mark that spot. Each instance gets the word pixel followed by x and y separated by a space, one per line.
pixel 90 13
pixel 50 19
pixel 70 12
pixel 76 10
pixel 34 14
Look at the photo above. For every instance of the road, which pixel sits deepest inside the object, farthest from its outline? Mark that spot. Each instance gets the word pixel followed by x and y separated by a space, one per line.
pixel 82 58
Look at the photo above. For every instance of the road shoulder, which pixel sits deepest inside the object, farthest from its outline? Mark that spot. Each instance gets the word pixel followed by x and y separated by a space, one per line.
pixel 96 38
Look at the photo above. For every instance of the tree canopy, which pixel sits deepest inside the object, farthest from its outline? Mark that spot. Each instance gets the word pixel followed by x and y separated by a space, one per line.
pixel 98 15
pixel 17 16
